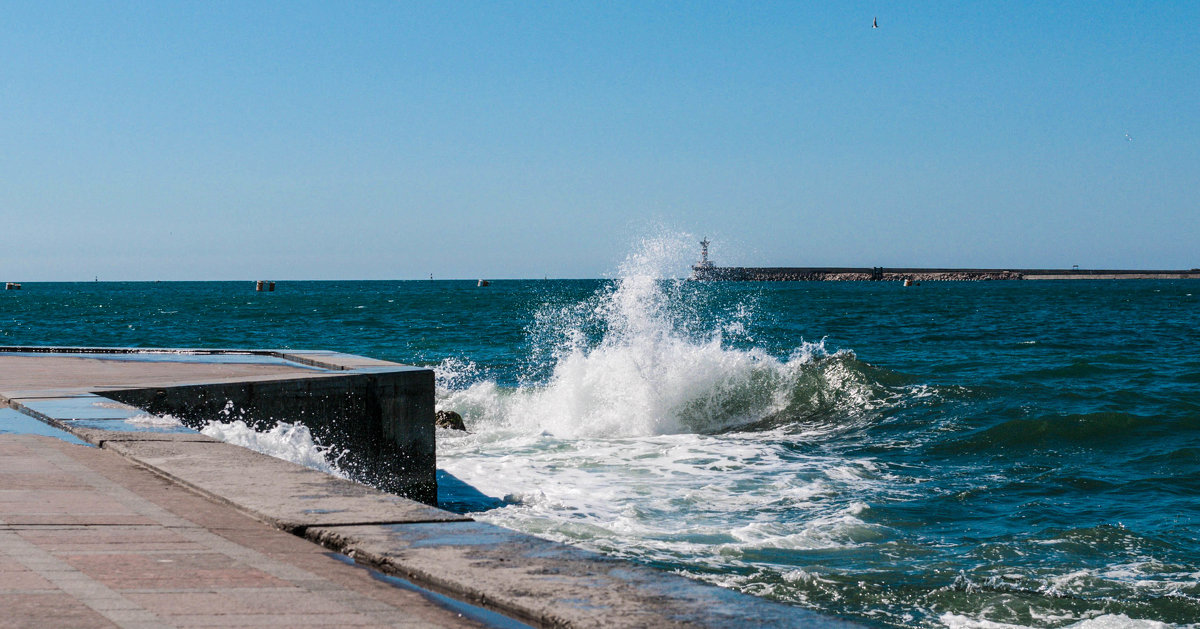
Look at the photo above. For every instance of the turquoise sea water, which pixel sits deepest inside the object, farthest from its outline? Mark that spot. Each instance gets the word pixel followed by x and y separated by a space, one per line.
pixel 953 454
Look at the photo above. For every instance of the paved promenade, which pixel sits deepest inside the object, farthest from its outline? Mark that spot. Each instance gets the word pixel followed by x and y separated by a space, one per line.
pixel 89 539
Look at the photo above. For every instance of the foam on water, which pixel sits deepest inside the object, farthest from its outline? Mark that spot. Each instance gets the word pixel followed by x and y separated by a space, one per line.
pixel 669 496
pixel 1106 621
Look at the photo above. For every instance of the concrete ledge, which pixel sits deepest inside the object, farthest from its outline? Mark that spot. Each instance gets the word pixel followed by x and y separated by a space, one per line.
pixel 551 584
pixel 289 496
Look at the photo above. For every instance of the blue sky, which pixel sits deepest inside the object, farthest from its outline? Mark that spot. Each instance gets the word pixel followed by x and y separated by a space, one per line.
pixel 392 140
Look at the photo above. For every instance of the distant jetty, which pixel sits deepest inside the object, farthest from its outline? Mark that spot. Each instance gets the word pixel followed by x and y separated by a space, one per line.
pixel 704 270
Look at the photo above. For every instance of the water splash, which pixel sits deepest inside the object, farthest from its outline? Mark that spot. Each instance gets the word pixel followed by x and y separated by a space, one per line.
pixel 154 421
pixel 287 441
pixel 646 356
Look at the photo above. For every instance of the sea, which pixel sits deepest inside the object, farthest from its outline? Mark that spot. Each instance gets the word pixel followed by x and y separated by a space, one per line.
pixel 955 454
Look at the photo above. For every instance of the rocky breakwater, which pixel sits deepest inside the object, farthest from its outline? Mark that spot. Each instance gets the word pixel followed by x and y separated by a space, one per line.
pixel 953 276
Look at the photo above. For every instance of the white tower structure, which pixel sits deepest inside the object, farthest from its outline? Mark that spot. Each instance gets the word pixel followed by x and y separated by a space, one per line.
pixel 704 262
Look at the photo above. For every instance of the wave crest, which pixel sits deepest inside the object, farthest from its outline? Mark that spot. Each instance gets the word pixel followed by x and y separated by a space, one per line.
pixel 647 356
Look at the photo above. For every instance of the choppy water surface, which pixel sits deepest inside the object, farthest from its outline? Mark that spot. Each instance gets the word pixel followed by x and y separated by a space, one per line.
pixel 961 454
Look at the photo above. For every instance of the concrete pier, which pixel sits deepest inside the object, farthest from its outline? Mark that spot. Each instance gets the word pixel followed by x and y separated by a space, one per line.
pixel 163 526
pixel 703 272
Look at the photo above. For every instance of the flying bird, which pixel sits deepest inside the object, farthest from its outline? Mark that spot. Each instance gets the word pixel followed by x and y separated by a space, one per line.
pixel 1128 138
pixel 874 22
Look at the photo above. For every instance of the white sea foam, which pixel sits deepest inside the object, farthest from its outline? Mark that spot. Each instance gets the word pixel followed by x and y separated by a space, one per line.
pixel 290 442
pixel 1106 621
pixel 663 496
pixel 154 421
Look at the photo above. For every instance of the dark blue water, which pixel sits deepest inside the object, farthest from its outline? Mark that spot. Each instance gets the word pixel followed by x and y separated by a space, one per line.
pixel 952 454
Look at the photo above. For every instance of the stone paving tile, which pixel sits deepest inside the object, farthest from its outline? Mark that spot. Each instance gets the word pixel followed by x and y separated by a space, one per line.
pixel 165 495
pixel 125 538
pixel 75 587
pixel 39 611
pixel 291 621
pixel 23 580
pixel 8 563
pixel 66 519
pixel 33 480
pixel 60 501
pixel 20 460
pixel 240 601
pixel 121 571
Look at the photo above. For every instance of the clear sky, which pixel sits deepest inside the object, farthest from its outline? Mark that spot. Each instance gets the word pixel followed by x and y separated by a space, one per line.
pixel 392 140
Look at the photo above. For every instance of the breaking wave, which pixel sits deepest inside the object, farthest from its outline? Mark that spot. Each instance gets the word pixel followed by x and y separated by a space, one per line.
pixel 646 356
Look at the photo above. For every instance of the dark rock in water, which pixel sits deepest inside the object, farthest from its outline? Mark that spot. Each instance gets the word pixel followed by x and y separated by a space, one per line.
pixel 449 419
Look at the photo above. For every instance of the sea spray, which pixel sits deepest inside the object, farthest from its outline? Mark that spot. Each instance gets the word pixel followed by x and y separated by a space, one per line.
pixel 149 420
pixel 287 441
pixel 643 356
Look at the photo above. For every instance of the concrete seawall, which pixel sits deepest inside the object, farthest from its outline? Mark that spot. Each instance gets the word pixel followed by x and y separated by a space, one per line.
pixel 381 419
pixel 97 395
pixel 379 413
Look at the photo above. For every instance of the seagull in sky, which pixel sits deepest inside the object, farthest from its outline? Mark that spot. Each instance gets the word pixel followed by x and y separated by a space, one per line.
pixel 1128 138
pixel 874 22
